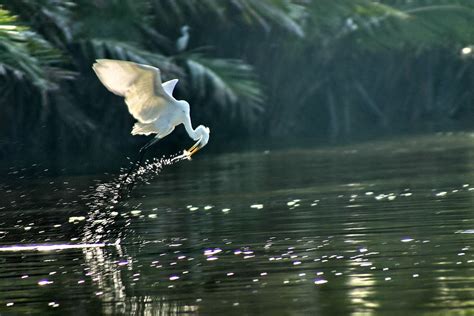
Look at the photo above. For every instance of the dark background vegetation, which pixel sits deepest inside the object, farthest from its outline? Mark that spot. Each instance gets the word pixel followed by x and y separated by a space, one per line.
pixel 254 71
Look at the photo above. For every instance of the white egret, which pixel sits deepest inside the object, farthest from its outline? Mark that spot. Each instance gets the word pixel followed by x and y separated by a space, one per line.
pixel 183 40
pixel 149 101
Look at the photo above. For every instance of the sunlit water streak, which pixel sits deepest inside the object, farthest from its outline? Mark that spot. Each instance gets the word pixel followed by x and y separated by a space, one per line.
pixel 383 228
pixel 50 247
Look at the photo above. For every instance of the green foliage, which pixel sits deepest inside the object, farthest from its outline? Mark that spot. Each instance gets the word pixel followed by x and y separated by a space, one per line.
pixel 366 61
pixel 265 13
pixel 226 81
pixel 51 18
pixel 327 67
pixel 26 56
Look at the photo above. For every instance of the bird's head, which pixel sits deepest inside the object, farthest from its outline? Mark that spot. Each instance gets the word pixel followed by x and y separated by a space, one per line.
pixel 185 29
pixel 203 133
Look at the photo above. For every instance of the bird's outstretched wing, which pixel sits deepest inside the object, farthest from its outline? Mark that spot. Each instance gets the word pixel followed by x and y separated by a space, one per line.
pixel 168 86
pixel 139 84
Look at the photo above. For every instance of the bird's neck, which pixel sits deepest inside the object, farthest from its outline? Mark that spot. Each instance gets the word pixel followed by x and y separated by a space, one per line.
pixel 193 133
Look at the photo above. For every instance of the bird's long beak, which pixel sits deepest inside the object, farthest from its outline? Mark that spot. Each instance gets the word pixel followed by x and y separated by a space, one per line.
pixel 191 151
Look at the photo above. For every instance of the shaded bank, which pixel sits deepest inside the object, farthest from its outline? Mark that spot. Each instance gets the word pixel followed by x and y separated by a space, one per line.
pixel 252 71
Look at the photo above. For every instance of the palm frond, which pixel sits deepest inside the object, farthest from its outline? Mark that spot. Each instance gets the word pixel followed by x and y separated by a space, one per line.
pixel 391 24
pixel 50 18
pixel 266 13
pixel 95 48
pixel 27 56
pixel 229 83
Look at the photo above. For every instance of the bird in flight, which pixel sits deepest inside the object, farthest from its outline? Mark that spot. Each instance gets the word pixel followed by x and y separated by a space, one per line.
pixel 150 101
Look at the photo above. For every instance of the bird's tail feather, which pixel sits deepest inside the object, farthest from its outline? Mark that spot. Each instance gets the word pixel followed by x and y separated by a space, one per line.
pixel 143 129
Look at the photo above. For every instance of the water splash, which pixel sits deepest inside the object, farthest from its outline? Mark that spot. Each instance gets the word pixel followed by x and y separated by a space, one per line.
pixel 106 197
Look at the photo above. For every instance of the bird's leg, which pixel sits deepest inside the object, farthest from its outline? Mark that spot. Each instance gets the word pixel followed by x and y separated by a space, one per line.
pixel 145 148
pixel 153 141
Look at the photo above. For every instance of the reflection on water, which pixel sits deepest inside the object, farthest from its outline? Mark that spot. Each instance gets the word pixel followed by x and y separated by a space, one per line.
pixel 372 228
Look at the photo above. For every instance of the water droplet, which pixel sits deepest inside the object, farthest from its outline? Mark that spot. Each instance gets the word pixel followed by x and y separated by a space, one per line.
pixel 320 281
pixel 76 219
pixel 44 282
pixel 212 251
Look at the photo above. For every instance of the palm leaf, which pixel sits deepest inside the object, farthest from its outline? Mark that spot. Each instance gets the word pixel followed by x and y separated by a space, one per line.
pixel 96 48
pixel 27 56
pixel 230 83
pixel 50 18
pixel 266 13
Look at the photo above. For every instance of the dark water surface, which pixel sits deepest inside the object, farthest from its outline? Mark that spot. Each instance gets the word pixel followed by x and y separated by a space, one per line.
pixel 382 228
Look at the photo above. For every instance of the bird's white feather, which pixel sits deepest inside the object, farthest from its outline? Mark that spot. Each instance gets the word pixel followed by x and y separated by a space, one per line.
pixel 139 84
pixel 117 76
pixel 143 129
pixel 168 86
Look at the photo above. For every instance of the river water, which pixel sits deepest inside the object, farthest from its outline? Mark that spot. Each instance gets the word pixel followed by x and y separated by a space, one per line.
pixel 380 227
